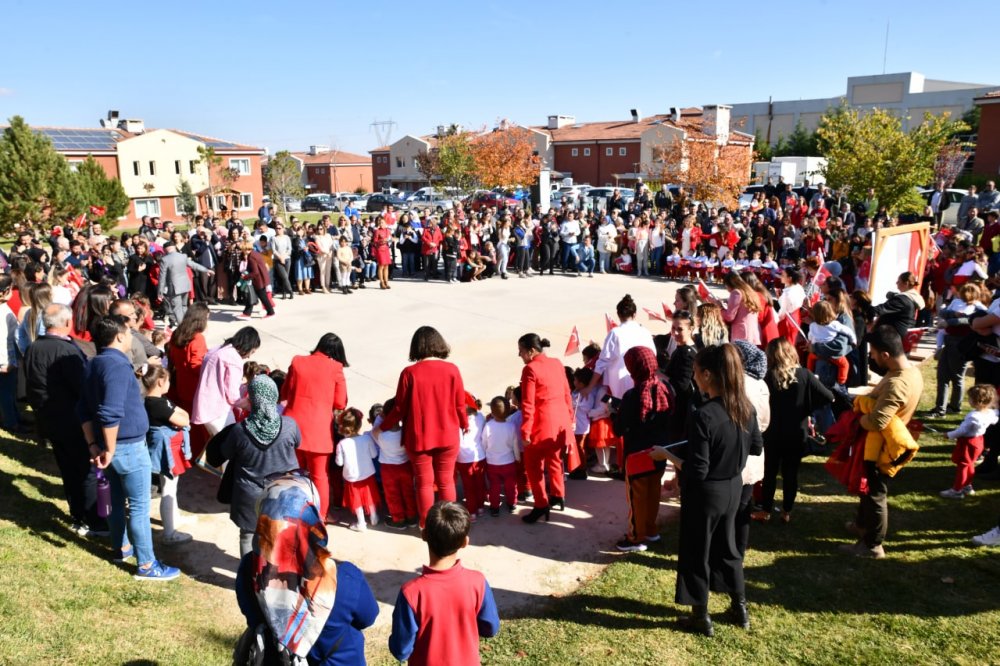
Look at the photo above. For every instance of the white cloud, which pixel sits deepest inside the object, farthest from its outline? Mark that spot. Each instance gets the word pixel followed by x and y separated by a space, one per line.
pixel 6 92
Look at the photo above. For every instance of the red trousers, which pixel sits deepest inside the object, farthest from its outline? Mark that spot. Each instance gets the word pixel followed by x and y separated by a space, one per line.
pixel 434 467
pixel 502 477
pixel 576 456
pixel 643 495
pixel 967 451
pixel 318 466
pixel 541 458
pixel 474 484
pixel 841 363
pixel 400 498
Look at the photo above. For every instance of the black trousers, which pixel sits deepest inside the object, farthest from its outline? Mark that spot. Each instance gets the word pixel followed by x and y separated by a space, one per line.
pixel 743 518
pixel 708 557
pixel 873 509
pixel 521 259
pixel 263 297
pixel 79 484
pixel 281 281
pixel 786 458
pixel 430 266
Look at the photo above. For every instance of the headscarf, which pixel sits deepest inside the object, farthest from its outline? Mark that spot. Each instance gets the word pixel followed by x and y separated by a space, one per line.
pixel 294 574
pixel 754 360
pixel 264 422
pixel 653 393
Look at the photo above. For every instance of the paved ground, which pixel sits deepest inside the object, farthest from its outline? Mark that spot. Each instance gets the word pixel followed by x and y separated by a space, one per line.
pixel 481 322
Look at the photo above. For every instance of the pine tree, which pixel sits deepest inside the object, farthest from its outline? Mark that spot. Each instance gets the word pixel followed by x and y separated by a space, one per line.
pixel 36 183
pixel 96 189
pixel 283 180
pixel 187 200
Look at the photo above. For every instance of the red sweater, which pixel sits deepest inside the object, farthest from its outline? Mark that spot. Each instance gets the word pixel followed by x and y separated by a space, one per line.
pixel 430 401
pixel 545 401
pixel 314 388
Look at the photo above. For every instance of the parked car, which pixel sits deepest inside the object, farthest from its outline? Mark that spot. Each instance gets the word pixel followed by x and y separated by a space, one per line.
pixel 346 199
pixel 607 192
pixel 433 203
pixel 319 202
pixel 377 202
pixel 487 199
pixel 293 205
pixel 950 214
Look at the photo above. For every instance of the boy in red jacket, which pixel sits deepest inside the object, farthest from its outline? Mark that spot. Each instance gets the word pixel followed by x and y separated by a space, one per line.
pixel 440 616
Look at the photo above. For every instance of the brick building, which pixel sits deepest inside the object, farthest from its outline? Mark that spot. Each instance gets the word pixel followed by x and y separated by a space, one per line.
pixel 328 171
pixel 988 144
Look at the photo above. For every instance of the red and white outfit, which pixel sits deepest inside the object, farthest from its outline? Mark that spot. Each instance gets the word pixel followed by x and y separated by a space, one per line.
pixel 500 442
pixel 791 299
pixel 472 464
pixel 397 475
pixel 969 445
pixel 355 454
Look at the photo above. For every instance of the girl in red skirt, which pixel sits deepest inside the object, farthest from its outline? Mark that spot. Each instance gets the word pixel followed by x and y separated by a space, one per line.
pixel 355 454
pixel 601 437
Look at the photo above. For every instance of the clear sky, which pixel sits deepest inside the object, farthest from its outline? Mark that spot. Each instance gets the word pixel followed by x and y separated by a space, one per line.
pixel 290 74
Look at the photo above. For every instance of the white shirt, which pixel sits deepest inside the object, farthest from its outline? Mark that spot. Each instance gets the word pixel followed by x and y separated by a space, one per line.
pixel 760 398
pixel 791 300
pixel 581 409
pixel 569 231
pixel 390 446
pixel 355 455
pixel 974 424
pixel 8 325
pixel 62 295
pixel 500 441
pixel 470 447
pixel 611 362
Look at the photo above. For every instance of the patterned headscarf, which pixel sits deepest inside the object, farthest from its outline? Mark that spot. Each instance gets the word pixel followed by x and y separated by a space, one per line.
pixel 641 364
pixel 754 360
pixel 295 577
pixel 264 422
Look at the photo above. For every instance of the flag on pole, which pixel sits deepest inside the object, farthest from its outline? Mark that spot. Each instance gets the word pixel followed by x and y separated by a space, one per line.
pixel 97 211
pixel 573 346
pixel 653 314
pixel 609 322
pixel 80 221
pixel 794 323
pixel 667 312
pixel 703 292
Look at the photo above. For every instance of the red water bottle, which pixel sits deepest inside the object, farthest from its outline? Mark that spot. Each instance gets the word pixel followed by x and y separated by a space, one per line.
pixel 103 494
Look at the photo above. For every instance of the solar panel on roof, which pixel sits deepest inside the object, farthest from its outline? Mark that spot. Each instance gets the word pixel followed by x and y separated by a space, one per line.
pixel 81 139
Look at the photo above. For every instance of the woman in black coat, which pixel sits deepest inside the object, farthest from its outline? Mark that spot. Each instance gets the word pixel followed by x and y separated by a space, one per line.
pixel 795 394
pixel 721 434
pixel 900 309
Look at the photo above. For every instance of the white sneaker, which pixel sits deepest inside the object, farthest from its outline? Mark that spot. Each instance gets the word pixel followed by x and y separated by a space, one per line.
pixel 968 491
pixel 175 539
pixel 991 538
pixel 951 493
pixel 599 469
pixel 359 527
pixel 373 519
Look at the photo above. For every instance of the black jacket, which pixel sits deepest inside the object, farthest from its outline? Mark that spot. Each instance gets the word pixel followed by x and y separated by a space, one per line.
pixel 638 435
pixel 53 369
pixel 790 410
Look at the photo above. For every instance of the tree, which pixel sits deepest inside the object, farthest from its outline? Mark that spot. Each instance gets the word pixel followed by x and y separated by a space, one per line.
pixel 283 180
pixel 452 161
pixel 36 183
pixel 186 199
pixel 800 143
pixel 950 161
pixel 871 149
pixel 96 189
pixel 212 162
pixel 506 156
pixel 762 149
pixel 712 173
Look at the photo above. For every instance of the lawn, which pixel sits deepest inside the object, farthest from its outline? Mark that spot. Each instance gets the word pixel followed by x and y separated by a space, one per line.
pixel 933 600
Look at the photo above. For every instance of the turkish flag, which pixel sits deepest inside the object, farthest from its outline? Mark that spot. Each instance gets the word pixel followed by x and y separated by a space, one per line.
pixel 97 211
pixel 654 314
pixel 573 346
pixel 703 292
pixel 814 298
pixel 609 322
pixel 667 312
pixel 80 221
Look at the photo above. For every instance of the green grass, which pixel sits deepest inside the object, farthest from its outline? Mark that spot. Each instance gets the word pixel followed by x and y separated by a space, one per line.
pixel 932 601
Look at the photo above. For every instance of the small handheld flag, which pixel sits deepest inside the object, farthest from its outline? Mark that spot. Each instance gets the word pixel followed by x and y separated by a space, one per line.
pixel 573 346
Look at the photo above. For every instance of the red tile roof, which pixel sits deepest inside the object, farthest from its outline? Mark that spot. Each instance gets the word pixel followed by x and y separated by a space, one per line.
pixel 626 130
pixel 333 157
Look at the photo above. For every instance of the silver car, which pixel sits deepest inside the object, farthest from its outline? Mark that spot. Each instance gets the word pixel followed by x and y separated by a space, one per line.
pixel 431 203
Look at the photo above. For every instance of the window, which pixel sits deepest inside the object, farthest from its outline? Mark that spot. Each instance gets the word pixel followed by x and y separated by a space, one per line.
pixel 74 165
pixel 574 152
pixel 193 166
pixel 241 164
pixel 586 152
pixel 178 206
pixel 399 162
pixel 416 163
pixel 623 151
pixel 149 207
pixel 135 168
pixel 609 151
pixel 177 167
pixel 152 168
pixel 246 201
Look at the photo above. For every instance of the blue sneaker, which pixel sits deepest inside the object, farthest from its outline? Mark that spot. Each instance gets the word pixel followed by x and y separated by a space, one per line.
pixel 157 571
pixel 124 554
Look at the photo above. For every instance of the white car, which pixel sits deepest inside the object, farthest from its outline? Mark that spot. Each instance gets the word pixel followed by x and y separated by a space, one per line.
pixel 431 203
pixel 950 214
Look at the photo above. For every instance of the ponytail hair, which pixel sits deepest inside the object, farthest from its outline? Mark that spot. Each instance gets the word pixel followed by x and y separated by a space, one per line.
pixel 531 342
pixel 725 365
pixel 151 376
pixel 626 308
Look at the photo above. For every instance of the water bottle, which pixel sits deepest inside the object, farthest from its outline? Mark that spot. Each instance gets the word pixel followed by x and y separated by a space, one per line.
pixel 103 494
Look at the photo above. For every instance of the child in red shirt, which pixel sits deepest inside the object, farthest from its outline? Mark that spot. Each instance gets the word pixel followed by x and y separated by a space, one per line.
pixel 440 616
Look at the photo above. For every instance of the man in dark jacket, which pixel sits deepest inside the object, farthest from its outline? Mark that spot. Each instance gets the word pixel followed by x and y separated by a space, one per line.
pixel 54 370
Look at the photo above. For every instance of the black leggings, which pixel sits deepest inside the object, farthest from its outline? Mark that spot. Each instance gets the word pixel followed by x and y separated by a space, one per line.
pixel 787 459
pixel 521 259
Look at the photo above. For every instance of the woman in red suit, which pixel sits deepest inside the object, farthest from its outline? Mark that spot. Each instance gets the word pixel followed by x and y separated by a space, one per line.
pixel 430 401
pixel 547 425
pixel 185 352
pixel 382 252
pixel 313 390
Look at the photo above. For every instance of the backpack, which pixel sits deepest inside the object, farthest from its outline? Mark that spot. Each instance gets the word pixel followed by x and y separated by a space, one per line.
pixel 257 647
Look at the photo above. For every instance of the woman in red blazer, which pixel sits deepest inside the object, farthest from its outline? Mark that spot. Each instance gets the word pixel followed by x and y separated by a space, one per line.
pixel 430 401
pixel 313 390
pixel 547 425
pixel 185 352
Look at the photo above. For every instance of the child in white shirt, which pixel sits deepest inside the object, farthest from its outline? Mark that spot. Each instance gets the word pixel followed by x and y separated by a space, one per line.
pixel 503 450
pixel 396 472
pixel 471 455
pixel 582 404
pixel 969 435
pixel 825 329
pixel 355 454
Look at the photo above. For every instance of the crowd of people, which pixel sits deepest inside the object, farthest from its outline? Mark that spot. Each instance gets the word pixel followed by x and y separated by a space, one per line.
pixel 121 399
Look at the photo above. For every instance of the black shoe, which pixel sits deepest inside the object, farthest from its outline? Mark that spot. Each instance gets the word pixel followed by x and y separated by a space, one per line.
pixel 535 514
pixel 578 474
pixel 494 512
pixel 509 507
pixel 698 622
pixel 558 502
pixel 738 613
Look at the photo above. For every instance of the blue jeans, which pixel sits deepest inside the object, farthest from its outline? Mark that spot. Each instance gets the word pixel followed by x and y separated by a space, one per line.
pixel 129 475
pixel 409 264
pixel 8 398
pixel 569 250
pixel 656 258
pixel 370 269
pixel 586 265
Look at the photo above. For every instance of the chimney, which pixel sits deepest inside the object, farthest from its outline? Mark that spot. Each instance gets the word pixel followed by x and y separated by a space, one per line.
pixel 675 114
pixel 132 126
pixel 317 149
pixel 111 121
pixel 635 115
pixel 440 131
pixel 558 122
pixel 716 121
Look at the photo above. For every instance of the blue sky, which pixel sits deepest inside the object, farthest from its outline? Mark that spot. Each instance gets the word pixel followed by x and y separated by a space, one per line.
pixel 290 74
